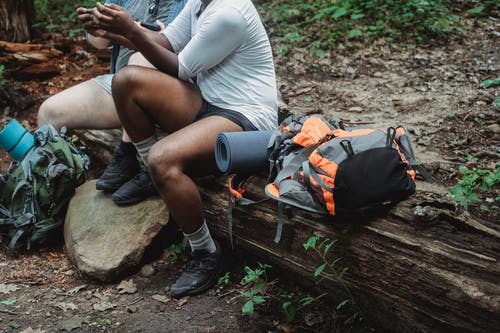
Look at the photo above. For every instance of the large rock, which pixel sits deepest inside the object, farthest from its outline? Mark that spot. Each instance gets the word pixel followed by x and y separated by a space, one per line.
pixel 105 241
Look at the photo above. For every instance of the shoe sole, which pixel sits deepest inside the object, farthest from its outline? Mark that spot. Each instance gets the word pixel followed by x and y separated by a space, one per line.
pixel 106 187
pixel 125 202
pixel 209 284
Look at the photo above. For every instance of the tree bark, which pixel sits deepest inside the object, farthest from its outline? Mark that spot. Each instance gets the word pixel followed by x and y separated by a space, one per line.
pixel 31 60
pixel 421 267
pixel 16 19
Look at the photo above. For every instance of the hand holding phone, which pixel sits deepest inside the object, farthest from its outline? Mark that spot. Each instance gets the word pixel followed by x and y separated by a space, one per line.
pixel 151 26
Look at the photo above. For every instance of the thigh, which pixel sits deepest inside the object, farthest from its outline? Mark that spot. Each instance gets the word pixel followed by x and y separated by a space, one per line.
pixel 85 105
pixel 167 101
pixel 192 148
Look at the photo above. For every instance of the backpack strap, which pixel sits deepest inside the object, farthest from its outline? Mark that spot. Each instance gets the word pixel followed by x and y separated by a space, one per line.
pixel 296 161
pixel 236 192
pixel 405 144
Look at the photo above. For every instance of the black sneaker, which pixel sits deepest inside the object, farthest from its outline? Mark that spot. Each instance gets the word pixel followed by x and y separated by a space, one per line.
pixel 135 190
pixel 201 273
pixel 122 167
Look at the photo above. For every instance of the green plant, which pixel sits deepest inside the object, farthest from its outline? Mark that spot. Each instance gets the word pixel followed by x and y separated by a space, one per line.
pixel 224 280
pixel 256 280
pixel 474 180
pixel 2 71
pixel 178 252
pixel 290 309
pixel 328 269
pixel 59 14
pixel 320 24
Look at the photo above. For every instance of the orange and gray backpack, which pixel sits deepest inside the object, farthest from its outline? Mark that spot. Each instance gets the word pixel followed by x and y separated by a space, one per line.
pixel 323 167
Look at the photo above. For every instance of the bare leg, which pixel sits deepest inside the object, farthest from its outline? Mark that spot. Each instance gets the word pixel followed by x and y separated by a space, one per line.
pixel 86 105
pixel 144 97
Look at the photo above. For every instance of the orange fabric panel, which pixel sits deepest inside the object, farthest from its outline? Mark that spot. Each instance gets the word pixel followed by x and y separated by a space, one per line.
pixel 400 131
pixel 312 130
pixel 331 169
pixel 273 190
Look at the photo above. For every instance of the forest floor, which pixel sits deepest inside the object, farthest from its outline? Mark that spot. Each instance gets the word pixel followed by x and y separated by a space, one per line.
pixel 434 90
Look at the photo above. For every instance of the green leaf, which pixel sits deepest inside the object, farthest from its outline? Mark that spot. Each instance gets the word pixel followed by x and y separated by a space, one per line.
pixel 497 103
pixel 357 16
pixel 308 99
pixel 490 83
pixel 327 247
pixel 311 242
pixel 9 301
pixel 248 308
pixel 319 269
pixel 259 299
pixel 341 11
pixel 289 310
pixel 319 53
pixel 341 304
pixel 14 325
pixel 476 10
pixel 354 33
pixel 344 270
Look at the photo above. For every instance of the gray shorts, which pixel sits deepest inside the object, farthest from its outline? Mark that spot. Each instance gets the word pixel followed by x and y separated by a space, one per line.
pixel 238 118
pixel 104 81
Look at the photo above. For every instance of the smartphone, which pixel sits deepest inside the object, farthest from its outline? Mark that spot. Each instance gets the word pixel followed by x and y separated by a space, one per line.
pixel 151 26
pixel 90 11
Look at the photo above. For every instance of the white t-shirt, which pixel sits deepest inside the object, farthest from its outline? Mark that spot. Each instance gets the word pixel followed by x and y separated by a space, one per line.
pixel 227 49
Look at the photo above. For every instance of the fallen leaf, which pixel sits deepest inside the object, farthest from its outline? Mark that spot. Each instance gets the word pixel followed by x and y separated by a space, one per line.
pixel 182 301
pixel 70 324
pixel 66 306
pixel 161 298
pixel 127 287
pixel 301 91
pixel 7 288
pixel 103 306
pixel 76 289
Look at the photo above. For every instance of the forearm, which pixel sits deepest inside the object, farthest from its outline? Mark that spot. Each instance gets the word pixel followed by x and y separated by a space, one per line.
pixel 98 42
pixel 156 49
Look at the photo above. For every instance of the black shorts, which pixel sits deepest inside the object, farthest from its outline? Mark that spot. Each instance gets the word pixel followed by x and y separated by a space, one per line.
pixel 208 110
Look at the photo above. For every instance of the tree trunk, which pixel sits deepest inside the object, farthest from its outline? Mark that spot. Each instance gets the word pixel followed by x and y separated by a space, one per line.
pixel 422 267
pixel 16 19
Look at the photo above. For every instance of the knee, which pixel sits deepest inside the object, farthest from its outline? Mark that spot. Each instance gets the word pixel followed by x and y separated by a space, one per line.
pixel 163 166
pixel 125 80
pixel 51 112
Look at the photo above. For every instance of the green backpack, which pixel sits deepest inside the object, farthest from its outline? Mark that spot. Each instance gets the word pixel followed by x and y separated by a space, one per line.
pixel 35 192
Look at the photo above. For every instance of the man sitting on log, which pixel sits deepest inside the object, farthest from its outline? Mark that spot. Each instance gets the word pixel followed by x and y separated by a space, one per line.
pixel 89 105
pixel 216 74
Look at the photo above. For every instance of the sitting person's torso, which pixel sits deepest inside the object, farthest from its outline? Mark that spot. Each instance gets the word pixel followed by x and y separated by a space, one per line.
pixel 230 40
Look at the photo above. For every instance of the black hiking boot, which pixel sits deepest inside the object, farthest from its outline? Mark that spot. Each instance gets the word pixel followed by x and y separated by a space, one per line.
pixel 122 167
pixel 201 273
pixel 135 190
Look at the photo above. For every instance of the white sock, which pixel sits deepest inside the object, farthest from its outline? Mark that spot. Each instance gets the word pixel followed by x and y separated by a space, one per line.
pixel 201 239
pixel 143 147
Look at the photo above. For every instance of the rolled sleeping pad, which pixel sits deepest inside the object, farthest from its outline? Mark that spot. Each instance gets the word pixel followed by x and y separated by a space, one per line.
pixel 16 140
pixel 242 152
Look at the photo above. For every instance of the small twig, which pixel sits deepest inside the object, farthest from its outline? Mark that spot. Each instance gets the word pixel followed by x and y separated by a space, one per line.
pixel 227 293
pixel 31 283
pixel 9 312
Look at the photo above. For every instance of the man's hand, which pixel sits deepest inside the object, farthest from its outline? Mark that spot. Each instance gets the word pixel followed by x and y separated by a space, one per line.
pixel 115 19
pixel 89 22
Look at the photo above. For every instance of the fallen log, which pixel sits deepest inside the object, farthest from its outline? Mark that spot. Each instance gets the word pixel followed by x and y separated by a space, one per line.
pixel 421 267
pixel 29 60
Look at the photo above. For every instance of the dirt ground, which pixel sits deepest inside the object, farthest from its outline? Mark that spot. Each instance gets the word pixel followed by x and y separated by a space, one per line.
pixel 434 90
